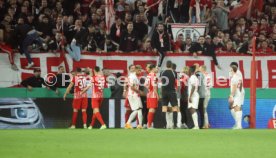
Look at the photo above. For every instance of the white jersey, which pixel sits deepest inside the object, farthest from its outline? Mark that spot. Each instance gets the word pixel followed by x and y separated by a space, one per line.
pixel 133 81
pixel 239 93
pixel 193 81
pixel 208 84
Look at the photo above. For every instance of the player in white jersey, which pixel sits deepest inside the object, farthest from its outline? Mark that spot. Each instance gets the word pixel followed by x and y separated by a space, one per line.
pixel 193 96
pixel 134 98
pixel 208 85
pixel 236 97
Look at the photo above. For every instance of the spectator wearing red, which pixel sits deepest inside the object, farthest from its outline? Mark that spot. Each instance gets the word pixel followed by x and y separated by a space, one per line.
pixel 179 44
pixel 264 27
pixel 228 48
pixel 264 49
pixel 255 28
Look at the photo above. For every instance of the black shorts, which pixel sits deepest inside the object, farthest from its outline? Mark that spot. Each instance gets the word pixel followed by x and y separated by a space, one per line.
pixel 169 97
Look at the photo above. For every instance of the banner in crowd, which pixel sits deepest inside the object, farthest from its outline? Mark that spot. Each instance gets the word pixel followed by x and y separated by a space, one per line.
pixel 56 113
pixel 49 62
pixel 193 31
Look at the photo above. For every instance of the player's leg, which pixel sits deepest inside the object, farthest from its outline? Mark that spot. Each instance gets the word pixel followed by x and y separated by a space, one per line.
pixel 193 110
pixel 238 113
pixel 152 104
pixel 76 107
pixel 83 110
pixel 128 110
pixel 169 117
pixel 150 117
pixel 206 118
pixel 179 117
pixel 175 107
pixel 201 111
pixel 96 103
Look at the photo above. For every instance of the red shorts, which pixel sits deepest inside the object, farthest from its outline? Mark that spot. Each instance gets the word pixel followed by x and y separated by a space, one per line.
pixel 127 103
pixel 152 103
pixel 80 103
pixel 96 102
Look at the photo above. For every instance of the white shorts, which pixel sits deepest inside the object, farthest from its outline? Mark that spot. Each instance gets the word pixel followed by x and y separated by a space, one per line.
pixel 135 102
pixel 206 101
pixel 238 100
pixel 194 103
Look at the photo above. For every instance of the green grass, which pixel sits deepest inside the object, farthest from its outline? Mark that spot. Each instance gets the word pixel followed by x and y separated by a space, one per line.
pixel 118 143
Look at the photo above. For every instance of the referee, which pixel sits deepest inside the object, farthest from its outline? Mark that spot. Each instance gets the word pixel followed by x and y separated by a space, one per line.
pixel 168 79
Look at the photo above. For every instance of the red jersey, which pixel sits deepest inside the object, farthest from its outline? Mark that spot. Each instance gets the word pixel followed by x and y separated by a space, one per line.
pixel 152 85
pixel 80 82
pixel 98 82
pixel 183 82
pixel 202 3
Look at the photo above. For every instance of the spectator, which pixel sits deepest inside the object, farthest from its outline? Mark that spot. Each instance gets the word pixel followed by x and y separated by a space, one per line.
pixel 220 13
pixel 210 49
pixel 179 44
pixel 129 40
pixel 264 49
pixel 79 39
pixel 26 35
pixel 6 39
pixel 160 42
pixel 199 47
pixel 56 44
pixel 197 11
pixel 116 31
pixel 228 48
pixel 141 27
pixel 109 46
pixel 146 47
pixel 62 80
pixel 35 81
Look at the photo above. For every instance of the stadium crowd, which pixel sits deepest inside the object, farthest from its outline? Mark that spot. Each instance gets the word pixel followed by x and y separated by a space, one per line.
pixel 80 26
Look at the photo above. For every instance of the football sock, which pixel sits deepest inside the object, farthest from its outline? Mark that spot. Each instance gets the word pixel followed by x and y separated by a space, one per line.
pixel 140 117
pixel 171 119
pixel 84 117
pixel 206 119
pixel 99 118
pixel 167 119
pixel 179 119
pixel 239 119
pixel 74 118
pixel 195 119
pixel 150 118
pixel 233 113
pixel 132 116
pixel 93 120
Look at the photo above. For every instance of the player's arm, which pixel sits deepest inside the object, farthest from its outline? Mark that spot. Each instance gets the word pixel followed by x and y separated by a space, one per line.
pixel 135 89
pixel 86 89
pixel 233 90
pixel 68 90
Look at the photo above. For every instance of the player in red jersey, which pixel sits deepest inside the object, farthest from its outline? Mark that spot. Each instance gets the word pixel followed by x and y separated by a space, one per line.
pixel 97 84
pixel 131 69
pixel 80 100
pixel 152 96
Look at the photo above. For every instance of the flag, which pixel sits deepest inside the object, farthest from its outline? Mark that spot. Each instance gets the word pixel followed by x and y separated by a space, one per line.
pixel 109 14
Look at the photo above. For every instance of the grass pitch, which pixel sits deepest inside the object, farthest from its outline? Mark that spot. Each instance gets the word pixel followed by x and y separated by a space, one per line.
pixel 119 143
